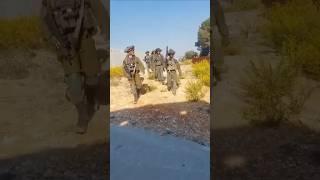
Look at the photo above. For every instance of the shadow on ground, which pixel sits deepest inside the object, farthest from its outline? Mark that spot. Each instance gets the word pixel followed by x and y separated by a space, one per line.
pixel 285 153
pixel 190 120
pixel 79 163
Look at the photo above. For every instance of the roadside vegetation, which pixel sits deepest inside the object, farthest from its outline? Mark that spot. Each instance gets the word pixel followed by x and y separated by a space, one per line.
pixel 21 32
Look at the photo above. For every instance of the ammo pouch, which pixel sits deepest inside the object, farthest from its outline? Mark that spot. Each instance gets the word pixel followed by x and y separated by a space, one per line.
pixel 131 68
pixel 171 66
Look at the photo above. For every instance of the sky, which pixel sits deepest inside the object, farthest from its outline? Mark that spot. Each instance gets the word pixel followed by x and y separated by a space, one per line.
pixel 149 24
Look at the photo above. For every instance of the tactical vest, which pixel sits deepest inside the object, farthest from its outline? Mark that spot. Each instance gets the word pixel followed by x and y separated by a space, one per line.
pixel 157 60
pixel 171 65
pixel 66 14
pixel 131 65
pixel 147 59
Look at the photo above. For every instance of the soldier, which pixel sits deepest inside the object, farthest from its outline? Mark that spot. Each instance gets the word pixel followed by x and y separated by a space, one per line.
pixel 70 26
pixel 159 65
pixel 218 19
pixel 172 66
pixel 147 60
pixel 153 66
pixel 132 66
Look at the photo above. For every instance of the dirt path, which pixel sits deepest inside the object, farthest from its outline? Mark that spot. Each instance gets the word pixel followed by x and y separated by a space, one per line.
pixel 160 110
pixel 246 152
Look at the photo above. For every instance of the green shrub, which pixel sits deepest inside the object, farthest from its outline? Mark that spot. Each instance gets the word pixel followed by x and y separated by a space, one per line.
pixel 194 90
pixel 190 54
pixel 22 32
pixel 270 93
pixel 116 72
pixel 294 31
pixel 201 70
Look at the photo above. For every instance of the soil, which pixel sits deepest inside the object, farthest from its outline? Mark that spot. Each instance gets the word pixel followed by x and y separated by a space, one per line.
pixel 242 151
pixel 160 111
pixel 37 124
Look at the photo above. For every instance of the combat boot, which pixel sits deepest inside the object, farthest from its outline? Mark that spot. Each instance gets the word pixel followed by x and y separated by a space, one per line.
pixel 136 97
pixel 83 118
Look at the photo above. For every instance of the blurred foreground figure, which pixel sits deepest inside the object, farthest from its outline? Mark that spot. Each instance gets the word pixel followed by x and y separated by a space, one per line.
pixel 70 26
pixel 218 19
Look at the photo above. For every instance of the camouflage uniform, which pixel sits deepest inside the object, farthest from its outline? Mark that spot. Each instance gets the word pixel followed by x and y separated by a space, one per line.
pixel 172 66
pixel 159 65
pixel 218 19
pixel 147 60
pixel 76 51
pixel 132 65
pixel 152 64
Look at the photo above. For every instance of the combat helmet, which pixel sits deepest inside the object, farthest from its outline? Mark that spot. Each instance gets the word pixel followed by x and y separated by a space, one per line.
pixel 147 52
pixel 171 52
pixel 129 48
pixel 158 50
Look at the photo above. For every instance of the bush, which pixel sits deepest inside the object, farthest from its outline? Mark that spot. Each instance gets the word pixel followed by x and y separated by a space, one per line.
pixel 22 32
pixel 201 70
pixel 190 54
pixel 294 31
pixel 270 95
pixel 194 90
pixel 116 72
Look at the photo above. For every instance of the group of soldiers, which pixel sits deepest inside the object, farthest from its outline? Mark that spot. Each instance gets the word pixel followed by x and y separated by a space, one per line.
pixel 156 64
pixel 70 26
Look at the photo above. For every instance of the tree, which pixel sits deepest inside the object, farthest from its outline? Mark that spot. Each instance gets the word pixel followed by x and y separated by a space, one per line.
pixel 190 54
pixel 204 34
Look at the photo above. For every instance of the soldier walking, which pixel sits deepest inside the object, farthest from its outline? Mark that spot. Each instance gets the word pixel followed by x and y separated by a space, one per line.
pixel 153 66
pixel 70 26
pixel 159 65
pixel 172 66
pixel 147 60
pixel 132 66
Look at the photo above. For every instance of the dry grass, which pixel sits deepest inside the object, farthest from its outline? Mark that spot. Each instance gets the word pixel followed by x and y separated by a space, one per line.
pixel 22 32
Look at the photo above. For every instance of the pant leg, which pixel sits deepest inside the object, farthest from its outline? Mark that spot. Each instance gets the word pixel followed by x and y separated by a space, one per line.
pixel 169 78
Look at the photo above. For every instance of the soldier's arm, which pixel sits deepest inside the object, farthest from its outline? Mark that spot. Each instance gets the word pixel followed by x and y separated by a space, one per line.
pixel 178 67
pixel 49 28
pixel 102 15
pixel 140 64
pixel 220 19
pixel 163 62
pixel 125 70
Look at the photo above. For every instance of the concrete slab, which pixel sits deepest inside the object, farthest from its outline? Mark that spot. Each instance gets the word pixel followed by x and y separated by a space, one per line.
pixel 143 155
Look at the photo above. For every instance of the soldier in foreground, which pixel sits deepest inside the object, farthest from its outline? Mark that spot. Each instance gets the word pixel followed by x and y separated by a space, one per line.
pixel 147 60
pixel 159 62
pixel 172 66
pixel 132 66
pixel 218 19
pixel 70 26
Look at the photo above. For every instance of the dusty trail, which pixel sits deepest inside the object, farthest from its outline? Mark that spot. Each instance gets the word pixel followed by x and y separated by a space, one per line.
pixel 160 110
